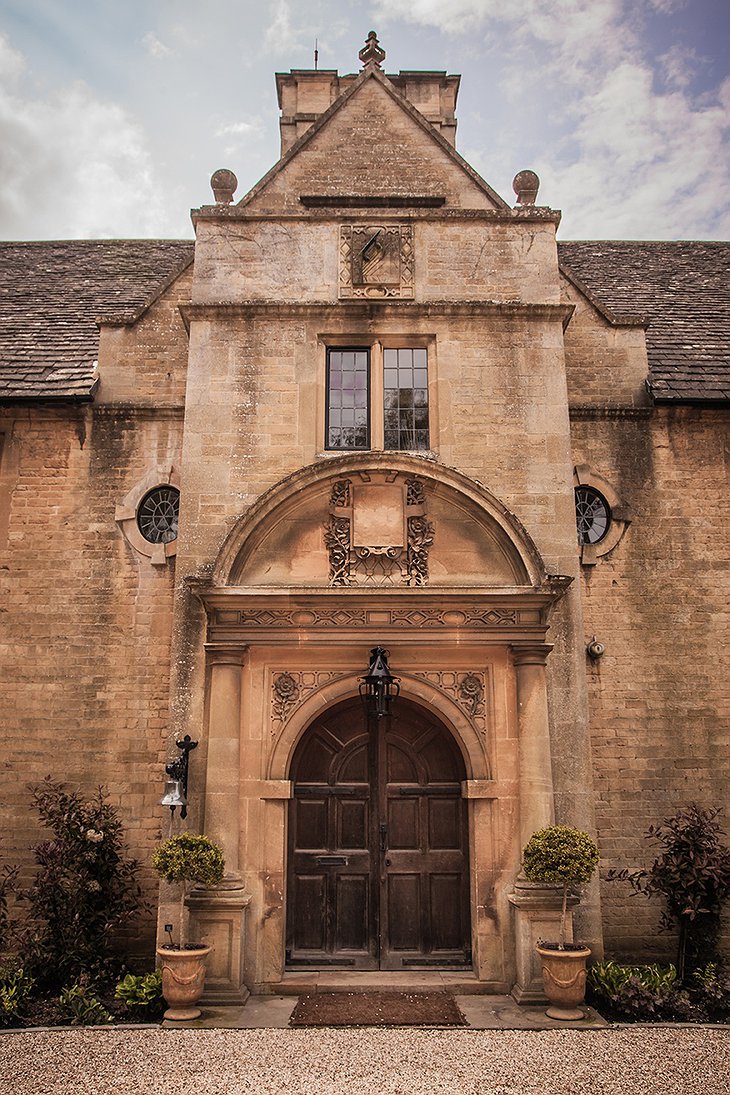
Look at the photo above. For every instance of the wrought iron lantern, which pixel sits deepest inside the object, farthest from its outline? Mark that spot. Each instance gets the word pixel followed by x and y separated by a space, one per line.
pixel 176 787
pixel 379 688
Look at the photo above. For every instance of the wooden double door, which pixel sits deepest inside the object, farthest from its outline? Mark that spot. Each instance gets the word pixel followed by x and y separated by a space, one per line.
pixel 378 863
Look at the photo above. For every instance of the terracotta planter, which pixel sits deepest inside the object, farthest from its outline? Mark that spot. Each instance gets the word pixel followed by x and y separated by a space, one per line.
pixel 564 978
pixel 183 980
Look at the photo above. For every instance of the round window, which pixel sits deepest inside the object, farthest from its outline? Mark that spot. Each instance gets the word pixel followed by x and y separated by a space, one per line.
pixel 158 513
pixel 592 515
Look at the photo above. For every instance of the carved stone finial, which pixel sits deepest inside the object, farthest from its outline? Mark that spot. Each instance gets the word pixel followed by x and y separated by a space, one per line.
pixel 526 185
pixel 372 53
pixel 224 184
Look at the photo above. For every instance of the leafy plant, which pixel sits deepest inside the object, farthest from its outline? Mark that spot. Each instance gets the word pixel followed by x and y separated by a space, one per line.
pixel 8 879
pixel 85 887
pixel 16 987
pixel 560 856
pixel 82 1006
pixel 189 857
pixel 141 994
pixel 710 985
pixel 691 874
pixel 636 992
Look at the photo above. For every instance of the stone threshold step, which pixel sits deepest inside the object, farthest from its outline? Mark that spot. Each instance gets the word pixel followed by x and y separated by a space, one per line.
pixel 297 982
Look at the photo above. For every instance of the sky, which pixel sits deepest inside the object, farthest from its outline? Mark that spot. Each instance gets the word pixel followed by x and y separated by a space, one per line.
pixel 113 116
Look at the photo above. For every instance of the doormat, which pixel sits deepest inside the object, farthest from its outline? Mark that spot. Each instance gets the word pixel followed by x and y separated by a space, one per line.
pixel 377 1009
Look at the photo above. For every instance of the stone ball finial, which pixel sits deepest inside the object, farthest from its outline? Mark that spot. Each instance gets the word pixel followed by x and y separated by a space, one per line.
pixel 526 185
pixel 224 184
pixel 372 52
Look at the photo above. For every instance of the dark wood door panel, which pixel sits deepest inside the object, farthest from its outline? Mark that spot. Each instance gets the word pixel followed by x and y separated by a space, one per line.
pixel 377 844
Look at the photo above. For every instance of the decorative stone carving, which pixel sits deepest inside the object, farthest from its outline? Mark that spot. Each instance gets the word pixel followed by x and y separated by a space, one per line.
pixel 377 532
pixel 286 695
pixel 376 261
pixel 420 539
pixel 291 689
pixel 380 616
pixel 468 689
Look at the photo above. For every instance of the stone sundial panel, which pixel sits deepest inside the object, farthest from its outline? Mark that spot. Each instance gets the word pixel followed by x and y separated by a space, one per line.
pixel 376 261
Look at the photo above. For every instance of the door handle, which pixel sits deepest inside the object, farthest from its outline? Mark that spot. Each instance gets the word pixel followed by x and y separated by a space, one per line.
pixel 383 837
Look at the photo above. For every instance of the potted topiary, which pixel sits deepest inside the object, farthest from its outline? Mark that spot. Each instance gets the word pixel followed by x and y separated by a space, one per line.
pixel 186 858
pixel 561 856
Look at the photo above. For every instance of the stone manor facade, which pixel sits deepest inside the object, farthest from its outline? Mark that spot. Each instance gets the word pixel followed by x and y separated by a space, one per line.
pixel 372 405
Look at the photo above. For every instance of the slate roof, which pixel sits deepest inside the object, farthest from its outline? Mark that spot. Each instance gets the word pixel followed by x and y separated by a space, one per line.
pixel 51 294
pixel 683 289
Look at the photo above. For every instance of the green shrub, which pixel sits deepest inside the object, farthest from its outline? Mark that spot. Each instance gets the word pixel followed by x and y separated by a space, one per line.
pixel 8 879
pixel 16 987
pixel 633 992
pixel 82 1006
pixel 85 887
pixel 710 988
pixel 692 875
pixel 560 856
pixel 189 857
pixel 141 995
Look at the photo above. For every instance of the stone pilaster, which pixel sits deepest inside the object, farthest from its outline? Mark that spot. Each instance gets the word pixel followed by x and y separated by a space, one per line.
pixel 218 914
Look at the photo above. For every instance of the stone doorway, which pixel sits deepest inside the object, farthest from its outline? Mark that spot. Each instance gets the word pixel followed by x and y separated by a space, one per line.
pixel 378 851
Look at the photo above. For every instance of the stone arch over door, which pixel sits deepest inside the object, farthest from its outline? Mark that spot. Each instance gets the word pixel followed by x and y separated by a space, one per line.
pixel 280 540
pixel 378 849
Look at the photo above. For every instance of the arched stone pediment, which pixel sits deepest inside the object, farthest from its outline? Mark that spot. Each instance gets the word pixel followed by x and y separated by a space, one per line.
pixel 378 520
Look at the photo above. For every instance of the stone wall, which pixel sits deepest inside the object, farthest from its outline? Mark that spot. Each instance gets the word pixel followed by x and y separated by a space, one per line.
pixel 86 622
pixel 659 696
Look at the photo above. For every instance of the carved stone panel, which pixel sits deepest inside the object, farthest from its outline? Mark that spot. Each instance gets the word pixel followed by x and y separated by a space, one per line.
pixel 468 689
pixel 377 531
pixel 376 261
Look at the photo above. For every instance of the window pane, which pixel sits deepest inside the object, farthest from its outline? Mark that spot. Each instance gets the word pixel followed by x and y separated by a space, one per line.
pixel 404 389
pixel 347 399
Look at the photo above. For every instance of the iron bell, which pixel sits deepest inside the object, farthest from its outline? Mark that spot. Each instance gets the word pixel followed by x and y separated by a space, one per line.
pixel 174 794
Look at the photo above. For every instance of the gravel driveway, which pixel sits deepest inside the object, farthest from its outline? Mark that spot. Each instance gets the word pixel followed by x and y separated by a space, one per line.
pixel 652 1061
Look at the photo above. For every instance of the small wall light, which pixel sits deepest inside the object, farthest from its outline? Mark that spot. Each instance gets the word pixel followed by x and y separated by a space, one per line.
pixel 176 787
pixel 378 688
pixel 595 649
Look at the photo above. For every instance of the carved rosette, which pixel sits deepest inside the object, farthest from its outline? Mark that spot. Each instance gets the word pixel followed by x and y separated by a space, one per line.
pixel 290 690
pixel 286 695
pixel 468 689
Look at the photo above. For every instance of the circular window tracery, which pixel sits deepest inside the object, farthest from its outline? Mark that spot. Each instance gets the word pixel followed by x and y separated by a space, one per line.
pixel 592 515
pixel 157 515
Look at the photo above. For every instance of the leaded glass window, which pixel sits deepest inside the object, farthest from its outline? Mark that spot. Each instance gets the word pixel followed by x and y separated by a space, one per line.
pixel 405 399
pixel 348 385
pixel 158 513
pixel 592 515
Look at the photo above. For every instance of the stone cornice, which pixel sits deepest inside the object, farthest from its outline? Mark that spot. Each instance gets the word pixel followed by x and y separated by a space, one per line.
pixel 514 309
pixel 515 615
pixel 325 207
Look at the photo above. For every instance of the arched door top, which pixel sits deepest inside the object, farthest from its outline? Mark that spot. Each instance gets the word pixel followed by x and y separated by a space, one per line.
pixel 473 538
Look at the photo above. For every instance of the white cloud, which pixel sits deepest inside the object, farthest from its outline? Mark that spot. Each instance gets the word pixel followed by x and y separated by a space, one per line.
pixel 240 135
pixel 154 46
pixel 72 165
pixel 281 37
pixel 619 153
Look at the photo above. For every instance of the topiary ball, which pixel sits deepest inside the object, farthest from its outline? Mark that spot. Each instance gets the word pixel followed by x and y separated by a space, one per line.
pixel 560 856
pixel 189 857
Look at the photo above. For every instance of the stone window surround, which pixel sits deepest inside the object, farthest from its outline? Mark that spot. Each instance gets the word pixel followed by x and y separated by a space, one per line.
pixel 125 514
pixel 584 476
pixel 376 345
